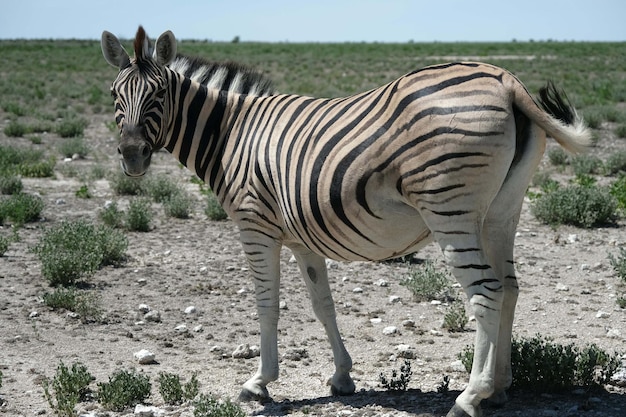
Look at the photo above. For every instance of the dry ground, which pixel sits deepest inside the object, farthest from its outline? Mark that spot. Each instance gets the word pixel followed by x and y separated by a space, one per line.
pixel 196 262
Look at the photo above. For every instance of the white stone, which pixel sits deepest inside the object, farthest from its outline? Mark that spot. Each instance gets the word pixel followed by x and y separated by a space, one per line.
pixel 293 259
pixel 382 283
pixel 282 305
pixel 191 310
pixel 613 334
pixel 33 314
pixel 148 411
pixel 153 316
pixel 408 323
pixel 393 299
pixel 330 264
pixel 376 320
pixel 435 302
pixel 144 357
pixel 406 352
pixel 562 287
pixel 603 314
pixel 144 308
pixel 357 290
pixel 585 267
pixel 198 328
pixel 244 351
pixel 181 328
pixel 389 330
pixel 436 332
pixel 572 238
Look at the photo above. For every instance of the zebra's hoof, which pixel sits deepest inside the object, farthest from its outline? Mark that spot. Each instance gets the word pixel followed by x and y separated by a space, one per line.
pixel 457 411
pixel 261 395
pixel 342 385
pixel 497 400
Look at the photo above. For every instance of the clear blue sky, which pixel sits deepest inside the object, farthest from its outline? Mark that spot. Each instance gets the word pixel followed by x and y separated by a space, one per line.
pixel 320 20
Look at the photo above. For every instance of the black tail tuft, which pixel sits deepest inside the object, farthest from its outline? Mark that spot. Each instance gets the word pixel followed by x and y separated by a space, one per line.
pixel 556 103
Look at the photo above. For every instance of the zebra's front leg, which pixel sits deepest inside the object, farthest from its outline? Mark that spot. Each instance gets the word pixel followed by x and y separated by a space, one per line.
pixel 263 257
pixel 313 269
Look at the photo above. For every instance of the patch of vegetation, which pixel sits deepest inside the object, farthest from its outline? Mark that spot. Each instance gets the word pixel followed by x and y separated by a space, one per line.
pixel 71 127
pixel 618 190
pixel 24 161
pixel 620 131
pixel 160 188
pixel 178 205
pixel 558 157
pixel 76 249
pixel 174 392
pixel 15 129
pixel 21 208
pixel 455 318
pixel 67 388
pixel 111 215
pixel 125 185
pixel 576 205
pixel 139 215
pixel 586 164
pixel 4 245
pixel 214 210
pixel 124 389
pixel 615 163
pixel 541 365
pixel 73 146
pixel 428 283
pixel 210 406
pixel 83 192
pixel 399 380
pixel 11 184
pixel 86 305
pixel 618 263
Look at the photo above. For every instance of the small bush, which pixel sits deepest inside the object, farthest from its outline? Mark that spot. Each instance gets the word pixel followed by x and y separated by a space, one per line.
pixel 558 157
pixel 618 190
pixel 21 208
pixel 15 129
pixel 11 185
pixel 73 146
pixel 173 392
pixel 160 188
pixel 4 245
pixel 586 164
pixel 178 205
pixel 618 263
pixel 139 215
pixel 455 318
pixel 427 283
pixel 86 305
pixel 209 406
pixel 67 388
pixel 83 192
pixel 76 249
pixel 615 163
pixel 399 381
pixel 214 210
pixel 40 169
pixel 125 185
pixel 111 215
pixel 620 131
pixel 576 205
pixel 540 365
pixel 71 127
pixel 124 389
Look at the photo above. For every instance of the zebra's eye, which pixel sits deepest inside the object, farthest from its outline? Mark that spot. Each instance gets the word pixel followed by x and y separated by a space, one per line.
pixel 113 94
pixel 160 93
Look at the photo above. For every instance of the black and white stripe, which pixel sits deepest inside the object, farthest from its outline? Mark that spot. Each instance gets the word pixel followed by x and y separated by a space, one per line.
pixel 444 153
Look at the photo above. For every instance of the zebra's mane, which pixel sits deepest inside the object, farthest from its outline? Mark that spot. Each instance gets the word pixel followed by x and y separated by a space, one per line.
pixel 225 76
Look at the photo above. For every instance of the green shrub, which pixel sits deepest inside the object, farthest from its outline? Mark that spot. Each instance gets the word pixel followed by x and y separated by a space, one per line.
pixel 178 205
pixel 76 249
pixel 21 208
pixel 15 129
pixel 83 192
pixel 11 184
pixel 576 205
pixel 86 305
pixel 125 185
pixel 41 169
pixel 615 163
pixel 4 245
pixel 558 157
pixel 399 381
pixel 73 146
pixel 139 215
pixel 111 215
pixel 427 283
pixel 455 318
pixel 540 365
pixel 586 164
pixel 209 406
pixel 124 389
pixel 214 210
pixel 67 388
pixel 618 263
pixel 618 190
pixel 71 127
pixel 620 131
pixel 173 392
pixel 160 188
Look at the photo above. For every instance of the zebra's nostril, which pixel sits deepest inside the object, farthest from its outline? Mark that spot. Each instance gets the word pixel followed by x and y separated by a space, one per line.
pixel 145 152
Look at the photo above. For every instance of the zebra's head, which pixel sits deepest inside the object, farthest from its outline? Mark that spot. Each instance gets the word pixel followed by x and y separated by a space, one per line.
pixel 140 92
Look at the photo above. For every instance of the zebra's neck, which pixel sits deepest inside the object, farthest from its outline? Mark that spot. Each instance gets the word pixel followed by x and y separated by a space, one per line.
pixel 199 118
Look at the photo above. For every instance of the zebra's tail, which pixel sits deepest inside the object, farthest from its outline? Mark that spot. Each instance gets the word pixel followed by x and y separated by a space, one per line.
pixel 557 117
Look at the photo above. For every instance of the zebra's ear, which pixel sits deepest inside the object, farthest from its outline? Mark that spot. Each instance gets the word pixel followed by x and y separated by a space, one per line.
pixel 113 51
pixel 165 48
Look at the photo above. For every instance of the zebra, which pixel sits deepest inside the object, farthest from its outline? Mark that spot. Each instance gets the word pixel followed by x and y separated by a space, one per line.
pixel 443 153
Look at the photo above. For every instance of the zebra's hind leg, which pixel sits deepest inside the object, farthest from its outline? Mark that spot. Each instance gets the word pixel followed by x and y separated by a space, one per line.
pixel 263 256
pixel 313 269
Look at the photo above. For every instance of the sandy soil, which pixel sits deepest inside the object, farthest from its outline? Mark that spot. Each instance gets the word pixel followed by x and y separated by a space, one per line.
pixel 565 281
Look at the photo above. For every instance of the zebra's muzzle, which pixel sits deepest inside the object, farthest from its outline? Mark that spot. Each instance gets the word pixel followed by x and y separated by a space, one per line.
pixel 136 152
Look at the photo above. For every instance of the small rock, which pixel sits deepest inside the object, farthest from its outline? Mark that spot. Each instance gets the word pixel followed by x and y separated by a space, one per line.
pixel 142 281
pixel 181 328
pixel 144 357
pixel 382 283
pixel 619 378
pixel 296 354
pixel 390 330
pixel 153 316
pixel 72 315
pixel 435 302
pixel 282 305
pixel 457 366
pixel 357 290
pixel 144 308
pixel 148 411
pixel 242 291
pixel 572 238
pixel 167 253
pixel 293 259
pixel 198 328
pixel 330 264
pixel 562 287
pixel 408 323
pixel 244 351
pixel 76 157
pixel 33 314
pixel 59 201
pixel 603 314
pixel 191 310
pixel 613 334
pixel 376 320
pixel 393 299
pixel 585 267
pixel 436 332
pixel 215 348
pixel 406 352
